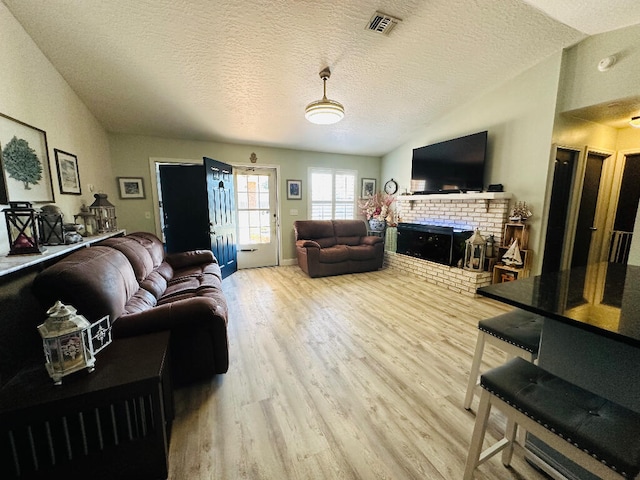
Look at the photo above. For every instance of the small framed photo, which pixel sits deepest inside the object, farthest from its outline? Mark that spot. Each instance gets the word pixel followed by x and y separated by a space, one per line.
pixel 68 174
pixel 294 189
pixel 368 187
pixel 131 187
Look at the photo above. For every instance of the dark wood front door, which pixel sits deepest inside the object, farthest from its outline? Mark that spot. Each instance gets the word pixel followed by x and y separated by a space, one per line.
pixel 184 207
pixel 222 214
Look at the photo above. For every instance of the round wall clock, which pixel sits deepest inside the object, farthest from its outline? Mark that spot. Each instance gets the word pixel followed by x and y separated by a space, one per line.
pixel 391 187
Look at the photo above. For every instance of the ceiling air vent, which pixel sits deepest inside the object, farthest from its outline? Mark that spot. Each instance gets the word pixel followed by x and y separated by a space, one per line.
pixel 382 23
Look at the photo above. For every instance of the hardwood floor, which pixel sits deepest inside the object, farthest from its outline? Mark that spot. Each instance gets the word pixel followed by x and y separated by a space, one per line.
pixel 350 377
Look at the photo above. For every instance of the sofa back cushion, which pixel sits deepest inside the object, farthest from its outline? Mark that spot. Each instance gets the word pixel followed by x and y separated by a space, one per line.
pixel 97 281
pixel 320 231
pixel 153 245
pixel 349 232
pixel 138 256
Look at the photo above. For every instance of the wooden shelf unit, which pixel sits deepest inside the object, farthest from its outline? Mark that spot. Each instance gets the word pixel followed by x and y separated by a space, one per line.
pixel 516 231
pixel 506 273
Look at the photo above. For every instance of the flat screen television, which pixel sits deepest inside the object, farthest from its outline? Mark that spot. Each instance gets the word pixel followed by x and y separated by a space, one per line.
pixel 452 166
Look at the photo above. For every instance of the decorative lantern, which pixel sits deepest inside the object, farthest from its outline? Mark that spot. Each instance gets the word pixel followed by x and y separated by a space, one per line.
pixel 87 220
pixel 474 252
pixel 67 348
pixel 51 230
pixel 22 228
pixel 105 213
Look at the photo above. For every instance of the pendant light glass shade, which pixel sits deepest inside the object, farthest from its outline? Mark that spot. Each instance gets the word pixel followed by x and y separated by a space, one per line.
pixel 325 111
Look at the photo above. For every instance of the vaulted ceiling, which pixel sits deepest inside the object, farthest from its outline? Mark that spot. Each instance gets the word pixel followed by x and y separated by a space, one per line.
pixel 243 71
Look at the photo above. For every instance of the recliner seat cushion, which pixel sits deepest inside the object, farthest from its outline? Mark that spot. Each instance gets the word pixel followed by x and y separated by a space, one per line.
pixel 361 252
pixel 335 254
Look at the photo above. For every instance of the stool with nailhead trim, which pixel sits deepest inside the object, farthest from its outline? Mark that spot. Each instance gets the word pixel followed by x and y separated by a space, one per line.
pixel 595 433
pixel 517 333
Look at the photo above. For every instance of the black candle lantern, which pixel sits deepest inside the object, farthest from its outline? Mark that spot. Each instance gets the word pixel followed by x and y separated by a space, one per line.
pixel 22 228
pixel 51 230
pixel 105 213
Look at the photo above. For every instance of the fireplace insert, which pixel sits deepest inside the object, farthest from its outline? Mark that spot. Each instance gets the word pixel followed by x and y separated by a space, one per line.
pixel 443 245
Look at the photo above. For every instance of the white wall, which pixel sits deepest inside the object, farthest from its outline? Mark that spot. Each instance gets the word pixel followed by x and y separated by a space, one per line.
pixel 519 116
pixel 583 85
pixel 131 153
pixel 32 91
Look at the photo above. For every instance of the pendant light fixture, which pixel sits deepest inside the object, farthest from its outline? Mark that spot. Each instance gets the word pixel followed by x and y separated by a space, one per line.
pixel 325 111
pixel 635 122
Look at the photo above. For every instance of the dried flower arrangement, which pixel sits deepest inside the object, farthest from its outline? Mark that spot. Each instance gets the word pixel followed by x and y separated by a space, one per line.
pixel 379 207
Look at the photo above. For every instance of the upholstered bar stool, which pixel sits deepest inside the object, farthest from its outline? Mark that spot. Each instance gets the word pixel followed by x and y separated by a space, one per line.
pixel 599 435
pixel 517 333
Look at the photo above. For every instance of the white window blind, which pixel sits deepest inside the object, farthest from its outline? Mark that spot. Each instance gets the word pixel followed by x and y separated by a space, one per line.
pixel 333 194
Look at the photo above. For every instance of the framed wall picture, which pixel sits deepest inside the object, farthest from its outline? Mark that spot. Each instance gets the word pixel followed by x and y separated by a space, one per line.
pixel 294 189
pixel 26 175
pixel 368 187
pixel 131 187
pixel 68 174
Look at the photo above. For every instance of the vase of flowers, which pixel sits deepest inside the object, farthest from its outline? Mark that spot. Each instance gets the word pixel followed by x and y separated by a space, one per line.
pixel 379 211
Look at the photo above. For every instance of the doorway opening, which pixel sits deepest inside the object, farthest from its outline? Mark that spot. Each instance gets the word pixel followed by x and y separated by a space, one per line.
pixel 257 238
pixel 258 226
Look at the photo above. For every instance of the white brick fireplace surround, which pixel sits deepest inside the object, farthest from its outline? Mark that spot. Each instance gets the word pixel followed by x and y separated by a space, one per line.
pixel 465 211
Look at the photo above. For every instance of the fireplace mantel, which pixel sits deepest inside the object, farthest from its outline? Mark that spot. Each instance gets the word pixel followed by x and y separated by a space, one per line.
pixel 456 196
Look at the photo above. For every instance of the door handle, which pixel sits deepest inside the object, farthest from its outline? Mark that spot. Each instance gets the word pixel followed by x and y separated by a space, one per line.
pixel 593 229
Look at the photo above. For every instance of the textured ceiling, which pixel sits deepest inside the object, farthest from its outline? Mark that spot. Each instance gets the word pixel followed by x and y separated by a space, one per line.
pixel 243 71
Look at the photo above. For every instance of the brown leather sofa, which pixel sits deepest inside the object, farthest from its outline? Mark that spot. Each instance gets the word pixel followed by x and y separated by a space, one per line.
pixel 335 247
pixel 144 291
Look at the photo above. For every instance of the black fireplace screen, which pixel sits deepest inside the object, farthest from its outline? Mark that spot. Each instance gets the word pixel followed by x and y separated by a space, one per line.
pixel 430 242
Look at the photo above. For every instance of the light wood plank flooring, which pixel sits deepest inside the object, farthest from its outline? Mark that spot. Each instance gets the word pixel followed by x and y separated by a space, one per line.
pixel 350 377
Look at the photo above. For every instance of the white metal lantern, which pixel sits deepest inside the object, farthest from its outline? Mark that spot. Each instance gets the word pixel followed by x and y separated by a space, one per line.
pixel 87 220
pixel 105 213
pixel 474 252
pixel 67 347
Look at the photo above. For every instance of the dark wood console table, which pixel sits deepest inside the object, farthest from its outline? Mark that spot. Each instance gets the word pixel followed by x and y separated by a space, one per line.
pixel 112 423
pixel 590 337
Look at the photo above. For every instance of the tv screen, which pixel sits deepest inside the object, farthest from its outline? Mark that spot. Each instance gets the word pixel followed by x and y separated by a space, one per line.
pixel 452 166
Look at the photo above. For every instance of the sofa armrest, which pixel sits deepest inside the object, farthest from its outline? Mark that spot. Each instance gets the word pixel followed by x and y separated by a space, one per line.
pixel 184 314
pixel 371 240
pixel 307 243
pixel 187 259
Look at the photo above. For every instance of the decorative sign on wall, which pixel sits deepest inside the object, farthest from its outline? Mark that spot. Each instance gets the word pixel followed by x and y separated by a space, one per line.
pixel 26 175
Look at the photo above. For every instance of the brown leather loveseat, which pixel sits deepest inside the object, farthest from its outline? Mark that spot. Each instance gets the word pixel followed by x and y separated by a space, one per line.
pixel 334 247
pixel 144 291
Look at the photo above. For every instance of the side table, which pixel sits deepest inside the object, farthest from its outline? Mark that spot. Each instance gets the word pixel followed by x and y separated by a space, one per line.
pixel 112 423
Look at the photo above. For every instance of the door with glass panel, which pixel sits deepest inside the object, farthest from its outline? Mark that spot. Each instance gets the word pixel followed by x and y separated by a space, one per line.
pixel 257 217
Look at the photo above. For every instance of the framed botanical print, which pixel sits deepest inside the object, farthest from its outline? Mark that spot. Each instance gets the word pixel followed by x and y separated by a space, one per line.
pixel 68 174
pixel 131 187
pixel 294 189
pixel 26 175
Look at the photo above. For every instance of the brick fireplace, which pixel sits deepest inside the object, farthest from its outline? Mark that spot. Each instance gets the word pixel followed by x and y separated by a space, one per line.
pixel 484 211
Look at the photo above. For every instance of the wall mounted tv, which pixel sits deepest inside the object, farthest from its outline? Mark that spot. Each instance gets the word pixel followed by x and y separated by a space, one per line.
pixel 452 166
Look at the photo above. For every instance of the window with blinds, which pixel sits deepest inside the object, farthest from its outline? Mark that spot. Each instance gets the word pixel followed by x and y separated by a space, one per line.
pixel 333 194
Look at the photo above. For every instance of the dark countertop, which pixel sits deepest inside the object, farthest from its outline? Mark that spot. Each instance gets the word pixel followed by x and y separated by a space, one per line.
pixel 602 298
